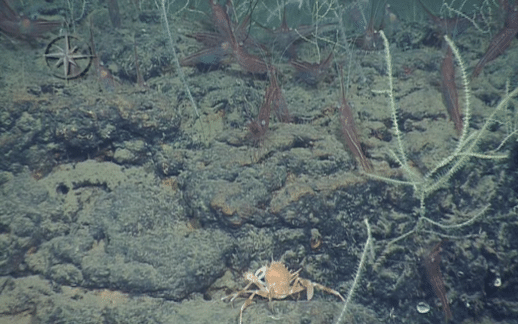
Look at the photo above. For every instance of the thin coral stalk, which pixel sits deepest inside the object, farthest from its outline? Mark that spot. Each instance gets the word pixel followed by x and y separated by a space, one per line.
pixel 361 268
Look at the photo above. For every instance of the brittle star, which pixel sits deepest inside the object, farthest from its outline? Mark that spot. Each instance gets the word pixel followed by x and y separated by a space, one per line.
pixel 68 57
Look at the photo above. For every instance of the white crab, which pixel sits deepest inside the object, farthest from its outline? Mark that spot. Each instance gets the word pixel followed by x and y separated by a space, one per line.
pixel 277 282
